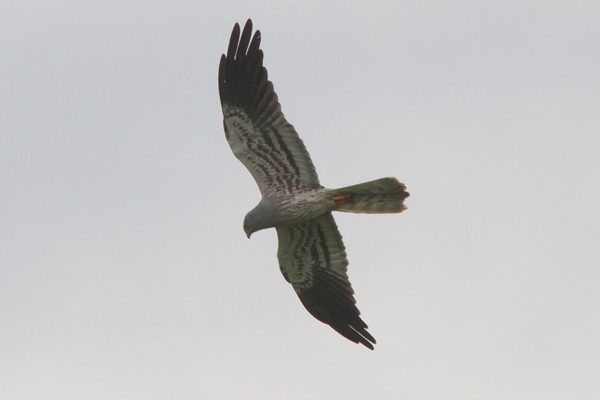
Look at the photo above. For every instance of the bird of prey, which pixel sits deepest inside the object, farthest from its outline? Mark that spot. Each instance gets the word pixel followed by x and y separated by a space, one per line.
pixel 311 253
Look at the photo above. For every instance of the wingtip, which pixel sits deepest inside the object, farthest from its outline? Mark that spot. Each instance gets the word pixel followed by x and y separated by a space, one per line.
pixel 359 336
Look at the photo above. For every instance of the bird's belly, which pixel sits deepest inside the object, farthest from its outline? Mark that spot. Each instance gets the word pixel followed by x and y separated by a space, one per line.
pixel 304 206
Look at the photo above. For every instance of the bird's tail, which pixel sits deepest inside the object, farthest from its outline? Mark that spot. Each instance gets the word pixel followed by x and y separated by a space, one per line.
pixel 382 196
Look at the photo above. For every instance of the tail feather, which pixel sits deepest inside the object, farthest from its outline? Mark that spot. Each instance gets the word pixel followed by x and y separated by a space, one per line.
pixel 382 196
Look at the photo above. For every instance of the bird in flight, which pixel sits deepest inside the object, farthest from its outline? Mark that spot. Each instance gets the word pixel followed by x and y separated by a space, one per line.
pixel 311 253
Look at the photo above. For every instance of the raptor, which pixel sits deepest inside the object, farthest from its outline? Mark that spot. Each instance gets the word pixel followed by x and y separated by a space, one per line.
pixel 311 254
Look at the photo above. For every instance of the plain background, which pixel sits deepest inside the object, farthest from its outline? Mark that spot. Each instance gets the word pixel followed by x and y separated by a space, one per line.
pixel 124 269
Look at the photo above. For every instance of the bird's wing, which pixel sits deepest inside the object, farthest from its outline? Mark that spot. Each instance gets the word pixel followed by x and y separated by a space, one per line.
pixel 313 259
pixel 255 127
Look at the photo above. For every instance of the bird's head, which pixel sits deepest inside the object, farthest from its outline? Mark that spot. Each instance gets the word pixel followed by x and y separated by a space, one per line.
pixel 263 216
pixel 248 226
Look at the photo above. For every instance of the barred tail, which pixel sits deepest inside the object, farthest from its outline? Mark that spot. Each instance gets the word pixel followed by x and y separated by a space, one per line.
pixel 382 196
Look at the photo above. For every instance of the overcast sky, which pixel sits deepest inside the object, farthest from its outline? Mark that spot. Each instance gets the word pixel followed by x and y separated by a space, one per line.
pixel 124 269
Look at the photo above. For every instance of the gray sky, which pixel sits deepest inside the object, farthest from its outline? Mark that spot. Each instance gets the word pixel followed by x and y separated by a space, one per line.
pixel 124 269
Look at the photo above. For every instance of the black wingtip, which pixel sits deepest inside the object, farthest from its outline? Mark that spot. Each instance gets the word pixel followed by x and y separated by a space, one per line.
pixel 331 302
pixel 356 333
pixel 243 81
pixel 248 24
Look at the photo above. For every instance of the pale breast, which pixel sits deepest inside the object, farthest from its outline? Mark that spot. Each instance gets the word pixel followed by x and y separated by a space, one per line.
pixel 304 205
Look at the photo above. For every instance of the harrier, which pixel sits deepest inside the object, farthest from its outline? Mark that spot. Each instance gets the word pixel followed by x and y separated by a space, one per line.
pixel 311 253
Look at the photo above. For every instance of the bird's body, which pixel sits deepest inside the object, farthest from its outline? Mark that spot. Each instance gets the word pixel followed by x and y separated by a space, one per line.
pixel 302 205
pixel 311 253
